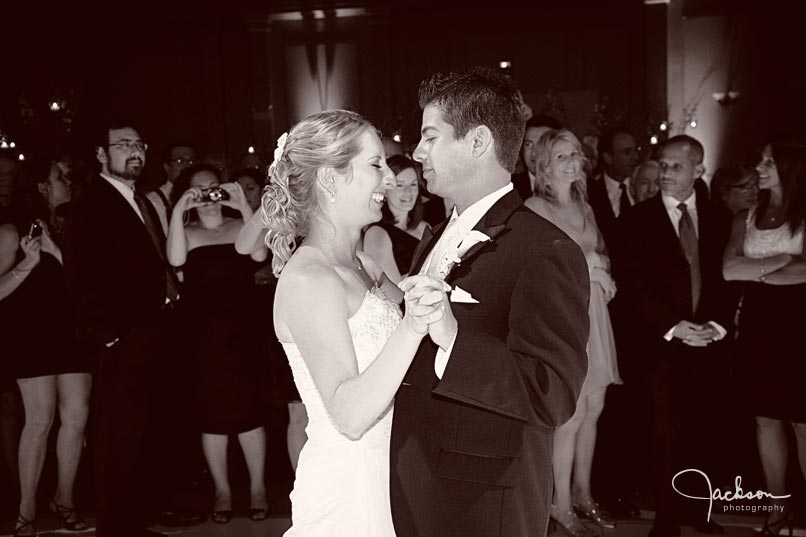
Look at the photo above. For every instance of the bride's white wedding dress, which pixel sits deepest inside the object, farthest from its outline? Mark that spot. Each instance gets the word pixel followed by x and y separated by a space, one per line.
pixel 342 485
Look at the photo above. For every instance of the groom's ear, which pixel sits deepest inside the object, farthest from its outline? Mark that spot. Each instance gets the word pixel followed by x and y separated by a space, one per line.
pixel 480 139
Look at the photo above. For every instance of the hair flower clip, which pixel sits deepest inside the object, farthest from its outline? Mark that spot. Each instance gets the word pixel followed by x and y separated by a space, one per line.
pixel 278 153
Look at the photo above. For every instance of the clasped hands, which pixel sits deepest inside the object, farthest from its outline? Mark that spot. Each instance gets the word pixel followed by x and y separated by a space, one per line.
pixel 428 308
pixel 695 335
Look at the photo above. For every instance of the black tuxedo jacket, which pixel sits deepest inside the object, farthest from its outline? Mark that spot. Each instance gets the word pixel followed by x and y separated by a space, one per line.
pixel 114 274
pixel 603 212
pixel 655 274
pixel 522 184
pixel 471 453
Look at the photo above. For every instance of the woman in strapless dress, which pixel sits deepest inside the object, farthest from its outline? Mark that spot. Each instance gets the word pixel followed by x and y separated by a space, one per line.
pixel 338 318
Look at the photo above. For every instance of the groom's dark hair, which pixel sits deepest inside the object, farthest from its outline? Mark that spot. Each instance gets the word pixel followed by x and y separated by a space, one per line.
pixel 480 96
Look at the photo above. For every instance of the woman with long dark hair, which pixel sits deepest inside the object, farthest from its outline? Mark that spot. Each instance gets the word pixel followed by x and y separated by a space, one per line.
pixel 767 253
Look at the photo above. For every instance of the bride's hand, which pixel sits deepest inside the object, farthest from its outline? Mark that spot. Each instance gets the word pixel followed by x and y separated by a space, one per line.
pixel 424 297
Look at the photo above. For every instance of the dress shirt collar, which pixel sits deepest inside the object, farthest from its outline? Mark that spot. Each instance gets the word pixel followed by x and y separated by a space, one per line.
pixel 671 203
pixel 473 214
pixel 612 184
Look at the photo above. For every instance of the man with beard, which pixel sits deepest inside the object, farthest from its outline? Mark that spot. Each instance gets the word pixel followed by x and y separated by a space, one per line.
pixel 123 291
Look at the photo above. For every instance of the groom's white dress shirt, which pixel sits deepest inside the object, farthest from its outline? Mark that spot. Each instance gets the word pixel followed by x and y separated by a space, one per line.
pixel 459 226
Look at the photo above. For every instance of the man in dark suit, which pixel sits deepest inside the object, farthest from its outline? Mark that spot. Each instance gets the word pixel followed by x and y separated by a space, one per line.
pixel 609 193
pixel 474 417
pixel 524 181
pixel 123 292
pixel 672 278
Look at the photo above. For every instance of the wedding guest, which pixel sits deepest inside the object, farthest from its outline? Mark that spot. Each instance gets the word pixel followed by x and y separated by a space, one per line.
pixel 251 181
pixel 51 374
pixel 645 181
pixel 175 157
pixel 735 188
pixel 221 325
pixel 560 198
pixel 393 240
pixel 767 253
pixel 671 278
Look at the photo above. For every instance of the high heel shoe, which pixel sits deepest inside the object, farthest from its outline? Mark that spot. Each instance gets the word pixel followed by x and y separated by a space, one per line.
pixel 774 529
pixel 590 509
pixel 570 522
pixel 71 520
pixel 22 524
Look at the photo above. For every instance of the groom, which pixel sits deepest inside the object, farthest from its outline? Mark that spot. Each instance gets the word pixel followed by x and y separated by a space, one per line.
pixel 474 417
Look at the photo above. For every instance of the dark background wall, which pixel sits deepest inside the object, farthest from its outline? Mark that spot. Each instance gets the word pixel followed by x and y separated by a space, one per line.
pixel 220 76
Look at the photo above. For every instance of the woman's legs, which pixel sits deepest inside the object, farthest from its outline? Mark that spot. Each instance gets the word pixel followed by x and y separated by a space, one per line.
pixel 215 452
pixel 773 451
pixel 253 444
pixel 565 438
pixel 39 400
pixel 296 437
pixel 586 445
pixel 74 400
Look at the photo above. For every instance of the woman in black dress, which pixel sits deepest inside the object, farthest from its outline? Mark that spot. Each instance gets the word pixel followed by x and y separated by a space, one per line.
pixel 42 355
pixel 221 327
pixel 393 240
pixel 767 252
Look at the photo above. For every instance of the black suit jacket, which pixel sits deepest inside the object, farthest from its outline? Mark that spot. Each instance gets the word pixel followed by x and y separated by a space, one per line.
pixel 603 212
pixel 522 184
pixel 471 453
pixel 114 274
pixel 655 274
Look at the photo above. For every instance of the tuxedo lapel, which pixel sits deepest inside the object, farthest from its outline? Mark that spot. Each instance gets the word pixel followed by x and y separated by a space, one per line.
pixel 493 223
pixel 120 208
pixel 426 243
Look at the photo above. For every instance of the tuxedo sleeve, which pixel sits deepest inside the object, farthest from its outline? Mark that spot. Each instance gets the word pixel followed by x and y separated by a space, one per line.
pixel 88 280
pixel 536 373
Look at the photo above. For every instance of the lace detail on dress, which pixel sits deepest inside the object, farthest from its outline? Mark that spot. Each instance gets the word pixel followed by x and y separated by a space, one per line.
pixel 370 326
pixel 760 243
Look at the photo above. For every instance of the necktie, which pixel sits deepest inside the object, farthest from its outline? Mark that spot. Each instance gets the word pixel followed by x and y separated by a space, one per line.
pixel 440 264
pixel 688 241
pixel 154 228
pixel 624 202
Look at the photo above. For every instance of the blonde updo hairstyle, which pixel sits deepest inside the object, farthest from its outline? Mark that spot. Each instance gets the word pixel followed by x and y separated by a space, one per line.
pixel 328 139
pixel 543 159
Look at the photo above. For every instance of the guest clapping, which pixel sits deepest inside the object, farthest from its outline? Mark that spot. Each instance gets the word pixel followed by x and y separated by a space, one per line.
pixel 560 198
pixel 392 242
pixel 221 327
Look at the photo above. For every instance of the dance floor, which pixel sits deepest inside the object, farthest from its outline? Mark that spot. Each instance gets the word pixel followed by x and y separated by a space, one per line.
pixel 240 526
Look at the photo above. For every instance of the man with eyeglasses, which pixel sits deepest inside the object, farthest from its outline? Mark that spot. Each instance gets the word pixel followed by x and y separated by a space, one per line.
pixel 123 292
pixel 175 158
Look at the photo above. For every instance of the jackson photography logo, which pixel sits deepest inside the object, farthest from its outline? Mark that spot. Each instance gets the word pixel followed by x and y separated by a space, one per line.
pixel 730 496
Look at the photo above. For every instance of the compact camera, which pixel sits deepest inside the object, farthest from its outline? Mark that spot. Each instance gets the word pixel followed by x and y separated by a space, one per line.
pixel 214 194
pixel 35 231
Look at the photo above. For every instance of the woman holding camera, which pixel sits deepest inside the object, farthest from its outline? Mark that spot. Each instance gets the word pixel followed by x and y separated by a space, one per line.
pixel 42 354
pixel 220 327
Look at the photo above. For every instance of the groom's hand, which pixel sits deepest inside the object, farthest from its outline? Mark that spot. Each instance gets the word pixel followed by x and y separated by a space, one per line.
pixel 424 297
pixel 443 330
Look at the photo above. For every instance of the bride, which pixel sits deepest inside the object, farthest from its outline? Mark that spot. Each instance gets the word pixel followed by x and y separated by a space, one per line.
pixel 338 318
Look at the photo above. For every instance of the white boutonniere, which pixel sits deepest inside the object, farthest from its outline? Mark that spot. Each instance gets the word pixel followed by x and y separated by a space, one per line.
pixel 454 257
pixel 472 238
